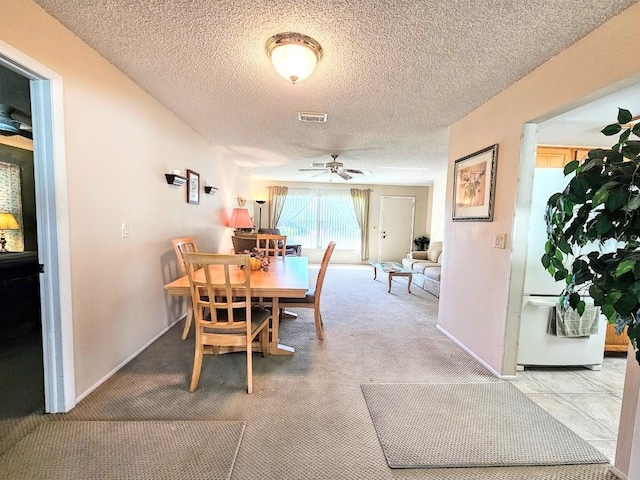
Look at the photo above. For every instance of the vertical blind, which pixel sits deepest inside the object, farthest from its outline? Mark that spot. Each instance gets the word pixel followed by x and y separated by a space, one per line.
pixel 313 217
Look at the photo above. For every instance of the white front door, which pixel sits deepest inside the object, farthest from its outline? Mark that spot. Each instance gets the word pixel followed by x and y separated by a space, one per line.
pixel 396 228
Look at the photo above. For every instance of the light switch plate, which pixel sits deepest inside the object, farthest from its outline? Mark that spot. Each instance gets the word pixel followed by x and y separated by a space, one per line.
pixel 499 240
pixel 124 228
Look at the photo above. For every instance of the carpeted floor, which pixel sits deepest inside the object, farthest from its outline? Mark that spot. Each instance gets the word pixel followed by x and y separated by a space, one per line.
pixel 488 424
pixel 307 417
pixel 126 450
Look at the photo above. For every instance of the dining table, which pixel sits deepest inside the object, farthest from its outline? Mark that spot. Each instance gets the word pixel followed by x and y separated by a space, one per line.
pixel 286 276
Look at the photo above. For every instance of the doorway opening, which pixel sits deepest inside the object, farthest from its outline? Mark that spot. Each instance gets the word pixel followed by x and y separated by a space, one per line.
pixel 53 257
pixel 587 400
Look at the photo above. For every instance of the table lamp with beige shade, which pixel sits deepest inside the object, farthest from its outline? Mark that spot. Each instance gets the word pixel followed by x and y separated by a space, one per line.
pixel 7 222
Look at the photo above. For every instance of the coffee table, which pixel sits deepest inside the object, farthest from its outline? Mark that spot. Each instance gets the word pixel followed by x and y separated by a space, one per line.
pixel 392 269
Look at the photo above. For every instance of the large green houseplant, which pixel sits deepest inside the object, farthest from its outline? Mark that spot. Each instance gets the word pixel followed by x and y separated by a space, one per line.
pixel 600 207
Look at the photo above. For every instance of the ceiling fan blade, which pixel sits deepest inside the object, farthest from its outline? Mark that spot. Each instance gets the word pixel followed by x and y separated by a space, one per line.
pixel 313 169
pixel 343 175
pixel 359 172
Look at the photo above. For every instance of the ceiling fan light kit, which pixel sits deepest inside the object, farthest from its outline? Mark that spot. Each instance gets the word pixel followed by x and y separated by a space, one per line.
pixel 10 125
pixel 294 55
pixel 335 167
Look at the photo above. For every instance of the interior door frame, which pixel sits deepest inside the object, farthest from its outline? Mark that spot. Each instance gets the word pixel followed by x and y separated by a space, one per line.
pixel 413 220
pixel 52 226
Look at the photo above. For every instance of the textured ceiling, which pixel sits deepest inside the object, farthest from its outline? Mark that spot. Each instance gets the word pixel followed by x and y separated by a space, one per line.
pixel 394 76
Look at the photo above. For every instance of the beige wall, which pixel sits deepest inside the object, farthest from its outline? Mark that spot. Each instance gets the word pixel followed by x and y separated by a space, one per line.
pixel 422 213
pixel 478 317
pixel 119 143
pixel 475 279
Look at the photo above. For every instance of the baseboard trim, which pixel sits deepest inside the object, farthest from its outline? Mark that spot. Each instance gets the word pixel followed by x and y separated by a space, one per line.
pixel 618 473
pixel 127 360
pixel 475 357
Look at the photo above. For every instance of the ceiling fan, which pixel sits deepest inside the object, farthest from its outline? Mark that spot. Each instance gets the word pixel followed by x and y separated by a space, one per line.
pixel 14 122
pixel 334 167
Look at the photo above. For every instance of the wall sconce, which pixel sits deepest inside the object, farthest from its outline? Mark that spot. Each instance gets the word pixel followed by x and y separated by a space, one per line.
pixel 210 189
pixel 174 178
pixel 241 202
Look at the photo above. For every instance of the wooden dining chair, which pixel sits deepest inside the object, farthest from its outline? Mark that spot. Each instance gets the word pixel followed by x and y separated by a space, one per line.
pixel 182 245
pixel 228 319
pixel 312 299
pixel 274 245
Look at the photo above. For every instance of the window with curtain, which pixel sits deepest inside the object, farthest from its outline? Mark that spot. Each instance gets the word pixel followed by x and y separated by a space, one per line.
pixel 313 217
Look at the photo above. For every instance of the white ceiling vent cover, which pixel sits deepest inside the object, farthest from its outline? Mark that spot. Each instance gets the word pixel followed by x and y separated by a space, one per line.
pixel 312 117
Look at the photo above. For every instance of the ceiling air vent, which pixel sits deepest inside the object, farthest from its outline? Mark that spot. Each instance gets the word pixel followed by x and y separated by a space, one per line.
pixel 312 117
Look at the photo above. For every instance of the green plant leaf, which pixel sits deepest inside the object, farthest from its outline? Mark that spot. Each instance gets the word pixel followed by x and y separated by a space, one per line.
pixel 561 274
pixel 553 199
pixel 631 149
pixel 611 129
pixel 624 267
pixel 636 129
pixel 579 187
pixel 632 204
pixel 597 294
pixel 626 304
pixel 602 225
pixel 597 153
pixel 609 312
pixel 574 299
pixel 600 196
pixel 617 199
pixel 624 136
pixel 614 296
pixel 545 261
pixel 624 116
pixel 580 307
pixel 557 262
pixel 564 246
pixel 571 166
pixel 592 163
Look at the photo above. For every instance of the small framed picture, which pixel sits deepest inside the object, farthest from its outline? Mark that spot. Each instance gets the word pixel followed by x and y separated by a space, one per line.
pixel 474 184
pixel 193 187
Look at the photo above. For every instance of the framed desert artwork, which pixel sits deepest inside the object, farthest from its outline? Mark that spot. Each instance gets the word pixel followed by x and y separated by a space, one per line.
pixel 474 183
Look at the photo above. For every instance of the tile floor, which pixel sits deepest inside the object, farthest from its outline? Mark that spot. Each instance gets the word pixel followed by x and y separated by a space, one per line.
pixel 586 401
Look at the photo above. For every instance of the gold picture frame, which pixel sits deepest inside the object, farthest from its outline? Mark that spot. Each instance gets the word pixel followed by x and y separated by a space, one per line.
pixel 474 184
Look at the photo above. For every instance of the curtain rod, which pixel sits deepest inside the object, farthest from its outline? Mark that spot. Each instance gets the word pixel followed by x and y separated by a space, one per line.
pixel 319 188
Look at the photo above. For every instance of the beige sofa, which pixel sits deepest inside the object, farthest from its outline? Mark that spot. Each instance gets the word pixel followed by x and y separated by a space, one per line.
pixel 426 268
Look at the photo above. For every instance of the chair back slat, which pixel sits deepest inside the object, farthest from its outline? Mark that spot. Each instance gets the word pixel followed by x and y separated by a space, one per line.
pixel 181 246
pixel 274 245
pixel 226 294
pixel 323 268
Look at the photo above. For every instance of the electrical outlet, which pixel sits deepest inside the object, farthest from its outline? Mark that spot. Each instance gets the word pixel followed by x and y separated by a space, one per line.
pixel 499 240
pixel 125 230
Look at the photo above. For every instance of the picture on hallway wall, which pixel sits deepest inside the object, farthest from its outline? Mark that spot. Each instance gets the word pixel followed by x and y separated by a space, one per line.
pixel 474 182
pixel 193 187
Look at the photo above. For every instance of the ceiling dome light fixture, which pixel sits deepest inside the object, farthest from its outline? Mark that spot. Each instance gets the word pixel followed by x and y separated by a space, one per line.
pixel 294 55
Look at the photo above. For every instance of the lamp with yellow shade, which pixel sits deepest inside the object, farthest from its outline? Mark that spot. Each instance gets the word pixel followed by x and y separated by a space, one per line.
pixel 7 222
